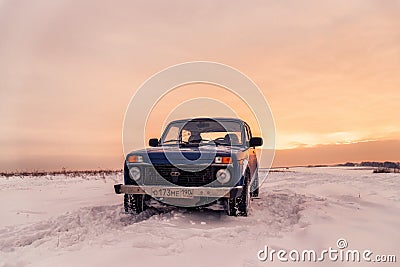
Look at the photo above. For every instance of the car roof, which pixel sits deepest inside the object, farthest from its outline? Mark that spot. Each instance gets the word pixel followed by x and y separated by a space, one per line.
pixel 210 119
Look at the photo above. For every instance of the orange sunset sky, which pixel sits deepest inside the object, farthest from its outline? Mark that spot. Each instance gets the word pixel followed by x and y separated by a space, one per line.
pixel 330 71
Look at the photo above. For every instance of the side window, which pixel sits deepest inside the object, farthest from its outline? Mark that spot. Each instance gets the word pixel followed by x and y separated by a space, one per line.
pixel 172 134
pixel 247 134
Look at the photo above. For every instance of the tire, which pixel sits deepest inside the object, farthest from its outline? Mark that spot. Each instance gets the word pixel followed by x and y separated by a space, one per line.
pixel 231 207
pixel 254 191
pixel 239 206
pixel 134 204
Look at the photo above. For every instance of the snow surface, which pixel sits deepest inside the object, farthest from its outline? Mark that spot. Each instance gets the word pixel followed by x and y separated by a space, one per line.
pixel 79 221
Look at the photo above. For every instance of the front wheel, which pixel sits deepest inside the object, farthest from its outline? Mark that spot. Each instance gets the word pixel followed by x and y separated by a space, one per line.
pixel 239 206
pixel 134 204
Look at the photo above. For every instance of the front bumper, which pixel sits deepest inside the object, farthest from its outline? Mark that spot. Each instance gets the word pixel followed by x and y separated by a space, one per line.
pixel 175 191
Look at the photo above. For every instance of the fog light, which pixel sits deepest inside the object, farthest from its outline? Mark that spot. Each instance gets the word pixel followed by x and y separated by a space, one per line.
pixel 135 173
pixel 223 176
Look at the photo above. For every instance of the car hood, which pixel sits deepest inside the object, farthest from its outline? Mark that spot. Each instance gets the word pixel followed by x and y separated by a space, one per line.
pixel 186 155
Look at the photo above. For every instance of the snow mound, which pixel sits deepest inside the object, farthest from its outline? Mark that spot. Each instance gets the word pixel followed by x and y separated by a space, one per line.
pixel 278 210
pixel 70 228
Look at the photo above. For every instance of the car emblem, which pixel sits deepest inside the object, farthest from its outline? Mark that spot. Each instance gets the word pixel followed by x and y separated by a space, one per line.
pixel 175 174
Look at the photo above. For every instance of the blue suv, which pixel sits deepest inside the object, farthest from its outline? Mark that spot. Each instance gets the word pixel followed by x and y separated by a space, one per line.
pixel 196 162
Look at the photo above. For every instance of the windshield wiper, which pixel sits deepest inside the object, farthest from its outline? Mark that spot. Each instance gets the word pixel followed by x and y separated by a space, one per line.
pixel 175 140
pixel 222 143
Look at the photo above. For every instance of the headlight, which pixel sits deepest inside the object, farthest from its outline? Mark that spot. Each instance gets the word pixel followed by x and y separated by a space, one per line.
pixel 223 176
pixel 135 173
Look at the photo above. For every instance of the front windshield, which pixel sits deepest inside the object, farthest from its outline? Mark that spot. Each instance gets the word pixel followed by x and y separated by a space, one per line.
pixel 201 132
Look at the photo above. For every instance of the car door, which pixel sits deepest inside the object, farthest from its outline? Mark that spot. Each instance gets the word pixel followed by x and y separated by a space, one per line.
pixel 252 151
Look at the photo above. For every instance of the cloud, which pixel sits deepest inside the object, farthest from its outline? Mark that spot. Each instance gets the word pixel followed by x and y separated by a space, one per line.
pixel 329 69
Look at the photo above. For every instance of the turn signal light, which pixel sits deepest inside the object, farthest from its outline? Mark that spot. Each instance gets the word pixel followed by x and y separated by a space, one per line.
pixel 223 160
pixel 135 159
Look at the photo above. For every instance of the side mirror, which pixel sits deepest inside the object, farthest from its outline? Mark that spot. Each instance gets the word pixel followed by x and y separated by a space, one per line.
pixel 255 141
pixel 153 142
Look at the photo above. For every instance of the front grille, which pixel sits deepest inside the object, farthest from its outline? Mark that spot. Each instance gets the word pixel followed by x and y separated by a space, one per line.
pixel 154 175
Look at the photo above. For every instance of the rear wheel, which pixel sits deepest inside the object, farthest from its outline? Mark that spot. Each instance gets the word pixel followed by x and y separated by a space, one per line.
pixel 254 190
pixel 134 204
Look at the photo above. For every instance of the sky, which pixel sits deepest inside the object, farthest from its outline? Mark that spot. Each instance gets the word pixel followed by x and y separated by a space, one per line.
pixel 330 71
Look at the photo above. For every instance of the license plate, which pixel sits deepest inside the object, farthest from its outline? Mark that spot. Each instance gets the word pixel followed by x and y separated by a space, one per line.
pixel 172 192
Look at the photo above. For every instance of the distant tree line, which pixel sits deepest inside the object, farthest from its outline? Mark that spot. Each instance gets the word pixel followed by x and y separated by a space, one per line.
pixel 374 164
pixel 70 173
pixel 386 164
